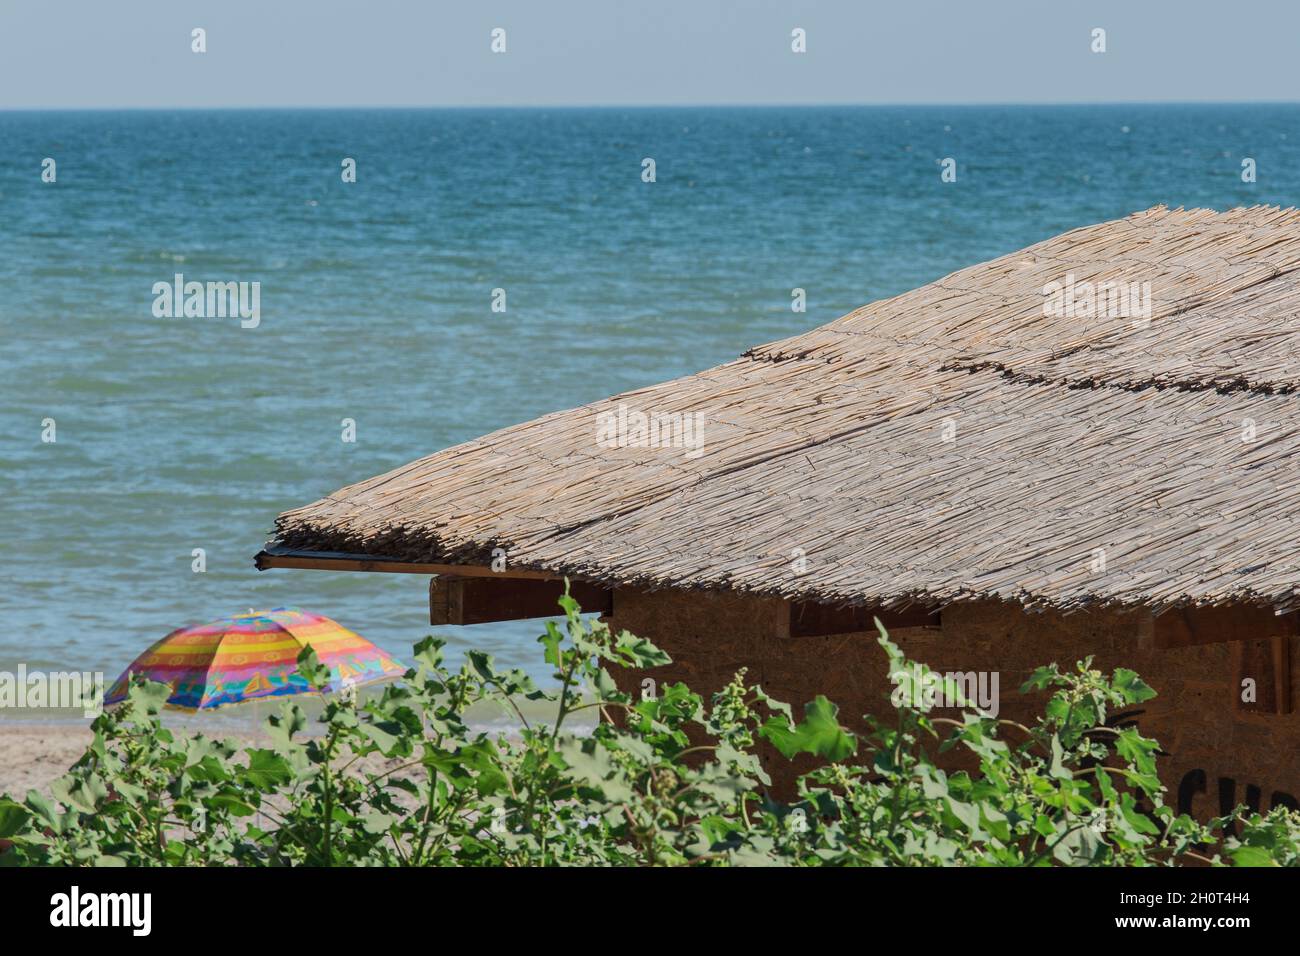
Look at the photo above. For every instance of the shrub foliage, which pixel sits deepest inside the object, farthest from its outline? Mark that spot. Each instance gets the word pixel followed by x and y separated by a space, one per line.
pixel 404 780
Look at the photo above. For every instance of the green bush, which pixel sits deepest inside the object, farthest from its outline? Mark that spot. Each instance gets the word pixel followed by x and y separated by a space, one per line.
pixel 402 780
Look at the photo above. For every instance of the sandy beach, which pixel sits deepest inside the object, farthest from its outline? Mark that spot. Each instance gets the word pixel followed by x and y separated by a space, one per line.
pixel 32 757
pixel 33 754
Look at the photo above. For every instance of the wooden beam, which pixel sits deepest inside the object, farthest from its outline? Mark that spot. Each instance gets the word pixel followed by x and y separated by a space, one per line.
pixel 1188 627
pixel 480 600
pixel 1282 673
pixel 331 561
pixel 1261 648
pixel 813 620
pixel 1267 664
pixel 440 610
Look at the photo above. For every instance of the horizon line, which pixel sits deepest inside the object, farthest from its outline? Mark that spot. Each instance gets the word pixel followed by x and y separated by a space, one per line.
pixel 648 106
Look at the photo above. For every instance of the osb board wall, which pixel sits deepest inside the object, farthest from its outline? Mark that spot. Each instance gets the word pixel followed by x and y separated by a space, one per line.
pixel 710 636
pixel 1216 756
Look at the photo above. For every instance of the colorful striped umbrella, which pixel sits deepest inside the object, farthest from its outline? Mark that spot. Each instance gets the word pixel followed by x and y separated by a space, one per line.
pixel 252 656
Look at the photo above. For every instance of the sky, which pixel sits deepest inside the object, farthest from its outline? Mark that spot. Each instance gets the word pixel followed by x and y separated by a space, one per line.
pixel 322 53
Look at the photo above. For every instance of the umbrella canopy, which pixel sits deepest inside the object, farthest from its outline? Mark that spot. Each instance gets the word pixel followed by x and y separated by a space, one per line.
pixel 252 656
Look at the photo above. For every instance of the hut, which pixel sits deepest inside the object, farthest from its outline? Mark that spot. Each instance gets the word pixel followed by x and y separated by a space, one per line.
pixel 1087 447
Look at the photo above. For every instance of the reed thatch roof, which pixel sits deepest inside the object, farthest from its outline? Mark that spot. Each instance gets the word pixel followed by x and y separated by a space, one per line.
pixel 1070 436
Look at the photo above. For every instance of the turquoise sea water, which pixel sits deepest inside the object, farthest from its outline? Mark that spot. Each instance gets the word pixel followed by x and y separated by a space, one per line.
pixel 183 433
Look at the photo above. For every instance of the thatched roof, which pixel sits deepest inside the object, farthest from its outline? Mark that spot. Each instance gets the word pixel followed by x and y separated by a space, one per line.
pixel 1072 434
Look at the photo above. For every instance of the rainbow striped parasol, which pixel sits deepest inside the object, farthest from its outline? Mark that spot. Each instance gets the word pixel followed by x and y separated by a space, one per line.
pixel 253 656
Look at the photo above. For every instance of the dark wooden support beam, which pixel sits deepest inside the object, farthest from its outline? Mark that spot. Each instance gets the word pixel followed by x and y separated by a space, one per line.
pixel 1187 627
pixel 1261 649
pixel 335 561
pixel 1266 664
pixel 813 620
pixel 481 600
pixel 1281 648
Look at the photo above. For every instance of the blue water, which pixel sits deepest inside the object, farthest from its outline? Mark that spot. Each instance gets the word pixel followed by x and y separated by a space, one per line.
pixel 183 433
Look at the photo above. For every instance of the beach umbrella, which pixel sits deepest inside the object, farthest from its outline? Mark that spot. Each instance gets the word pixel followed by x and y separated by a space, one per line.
pixel 254 656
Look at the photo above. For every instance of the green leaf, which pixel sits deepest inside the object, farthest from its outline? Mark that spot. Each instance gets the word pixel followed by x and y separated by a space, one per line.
pixel 148 696
pixel 1131 687
pixel 818 733
pixel 1251 856
pixel 14 817
pixel 317 674
pixel 428 654
pixel 593 766
pixel 232 804
pixel 45 811
pixel 281 727
pixel 388 736
pixel 639 653
pixel 267 769
pixel 1057 767
pixel 86 794
pixel 551 641
pixel 1138 750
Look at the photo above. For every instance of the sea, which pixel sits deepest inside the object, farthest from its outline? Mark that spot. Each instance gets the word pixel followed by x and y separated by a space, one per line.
pixel 173 433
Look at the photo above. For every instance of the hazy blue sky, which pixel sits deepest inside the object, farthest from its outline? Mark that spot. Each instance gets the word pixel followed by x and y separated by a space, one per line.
pixel 113 53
